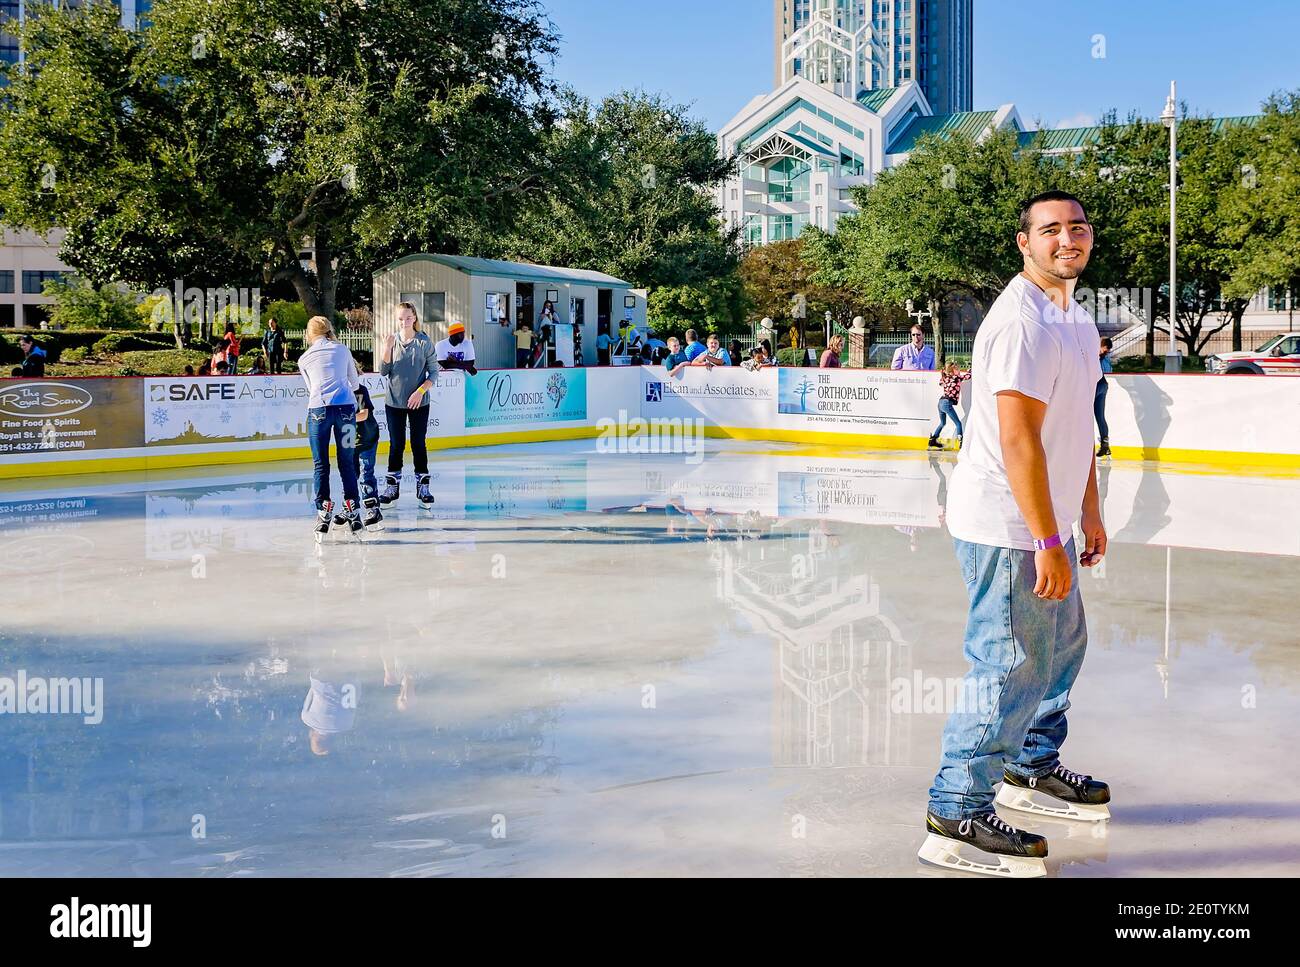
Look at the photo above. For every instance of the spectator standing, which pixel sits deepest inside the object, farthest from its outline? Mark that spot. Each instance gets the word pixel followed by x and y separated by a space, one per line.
pixel 831 355
pixel 916 355
pixel 33 358
pixel 231 341
pixel 273 344
pixel 523 345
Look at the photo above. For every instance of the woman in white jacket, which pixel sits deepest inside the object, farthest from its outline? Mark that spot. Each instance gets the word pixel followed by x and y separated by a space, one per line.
pixel 331 376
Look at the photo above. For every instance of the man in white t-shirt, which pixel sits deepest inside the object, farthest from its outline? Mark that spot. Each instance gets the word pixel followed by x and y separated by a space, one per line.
pixel 1025 475
pixel 457 350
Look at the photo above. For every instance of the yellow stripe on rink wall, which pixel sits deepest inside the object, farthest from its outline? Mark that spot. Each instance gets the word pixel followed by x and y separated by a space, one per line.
pixel 860 442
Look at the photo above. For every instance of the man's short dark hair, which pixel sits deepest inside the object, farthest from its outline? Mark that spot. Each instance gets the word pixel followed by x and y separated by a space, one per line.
pixel 27 339
pixel 1053 195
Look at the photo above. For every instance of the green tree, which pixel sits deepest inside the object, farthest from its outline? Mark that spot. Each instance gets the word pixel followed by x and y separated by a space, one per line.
pixel 777 275
pixel 940 226
pixel 226 135
pixel 1261 206
pixel 629 190
pixel 80 305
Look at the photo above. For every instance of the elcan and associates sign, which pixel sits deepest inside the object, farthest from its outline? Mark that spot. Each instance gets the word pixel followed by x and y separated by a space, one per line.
pixel 51 416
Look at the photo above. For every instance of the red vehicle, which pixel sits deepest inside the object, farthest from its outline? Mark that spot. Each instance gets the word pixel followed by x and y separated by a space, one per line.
pixel 1280 356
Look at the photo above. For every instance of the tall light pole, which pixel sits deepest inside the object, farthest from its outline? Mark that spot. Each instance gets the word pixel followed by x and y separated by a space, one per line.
pixel 1173 363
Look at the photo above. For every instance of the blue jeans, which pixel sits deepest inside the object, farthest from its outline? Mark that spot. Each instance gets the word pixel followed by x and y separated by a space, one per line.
pixel 366 471
pixel 1024 655
pixel 342 422
pixel 947 411
pixel 1099 407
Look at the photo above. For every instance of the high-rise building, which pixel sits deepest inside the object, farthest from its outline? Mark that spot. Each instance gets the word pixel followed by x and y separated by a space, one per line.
pixel 852 46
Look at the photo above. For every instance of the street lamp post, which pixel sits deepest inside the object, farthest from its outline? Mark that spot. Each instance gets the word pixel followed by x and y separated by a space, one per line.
pixel 1173 363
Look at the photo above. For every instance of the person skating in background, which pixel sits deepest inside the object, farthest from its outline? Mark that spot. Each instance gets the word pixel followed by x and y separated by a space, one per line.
pixel 1099 398
pixel 273 345
pixel 457 350
pixel 410 363
pixel 33 366
pixel 831 354
pixel 366 453
pixel 231 341
pixel 331 377
pixel 950 380
pixel 1026 475
pixel 916 355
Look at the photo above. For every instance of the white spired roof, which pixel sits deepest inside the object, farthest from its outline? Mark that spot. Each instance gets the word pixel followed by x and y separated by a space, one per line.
pixel 523 271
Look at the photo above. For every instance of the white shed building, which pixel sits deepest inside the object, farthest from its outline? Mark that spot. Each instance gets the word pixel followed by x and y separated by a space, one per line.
pixel 492 297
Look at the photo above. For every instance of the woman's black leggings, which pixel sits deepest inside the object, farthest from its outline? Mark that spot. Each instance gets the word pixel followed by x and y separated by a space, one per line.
pixel 397 423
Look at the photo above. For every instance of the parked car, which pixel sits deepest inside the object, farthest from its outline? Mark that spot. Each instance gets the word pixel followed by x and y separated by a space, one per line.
pixel 1280 356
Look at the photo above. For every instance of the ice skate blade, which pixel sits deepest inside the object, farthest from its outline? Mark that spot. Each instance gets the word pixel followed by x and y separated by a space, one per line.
pixel 946 853
pixel 1014 797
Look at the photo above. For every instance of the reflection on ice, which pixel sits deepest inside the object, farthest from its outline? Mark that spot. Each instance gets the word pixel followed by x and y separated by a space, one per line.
pixel 594 663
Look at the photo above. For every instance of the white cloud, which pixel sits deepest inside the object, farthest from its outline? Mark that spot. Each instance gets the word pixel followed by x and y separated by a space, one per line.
pixel 1076 121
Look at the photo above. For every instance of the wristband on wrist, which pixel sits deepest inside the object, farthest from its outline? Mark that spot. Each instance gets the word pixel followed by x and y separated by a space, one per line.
pixel 1048 543
pixel 422 390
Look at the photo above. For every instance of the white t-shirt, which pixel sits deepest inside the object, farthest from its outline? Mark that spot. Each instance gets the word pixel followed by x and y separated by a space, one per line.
pixel 445 350
pixel 1028 345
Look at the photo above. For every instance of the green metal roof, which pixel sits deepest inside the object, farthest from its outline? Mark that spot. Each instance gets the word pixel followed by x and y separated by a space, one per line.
pixel 1074 139
pixel 1059 139
pixel 520 271
pixel 969 123
pixel 810 144
pixel 873 101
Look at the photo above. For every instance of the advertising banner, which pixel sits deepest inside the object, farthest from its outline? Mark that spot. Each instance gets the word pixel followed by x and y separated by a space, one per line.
pixel 726 396
pixel 872 401
pixel 43 416
pixel 241 409
pixel 262 410
pixel 510 397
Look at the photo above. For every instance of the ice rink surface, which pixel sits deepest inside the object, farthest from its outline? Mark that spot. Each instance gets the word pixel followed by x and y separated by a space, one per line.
pixel 587 663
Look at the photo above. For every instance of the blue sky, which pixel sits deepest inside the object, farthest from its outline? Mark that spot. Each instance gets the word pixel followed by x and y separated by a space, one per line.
pixel 716 54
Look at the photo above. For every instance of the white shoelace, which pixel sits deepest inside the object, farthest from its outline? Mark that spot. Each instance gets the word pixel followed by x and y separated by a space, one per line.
pixel 1073 778
pixel 992 819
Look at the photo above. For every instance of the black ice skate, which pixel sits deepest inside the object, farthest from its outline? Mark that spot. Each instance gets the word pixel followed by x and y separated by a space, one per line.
pixel 323 517
pixel 1078 797
pixel 1015 852
pixel 373 519
pixel 352 518
pixel 1104 449
pixel 391 489
pixel 934 444
pixel 422 493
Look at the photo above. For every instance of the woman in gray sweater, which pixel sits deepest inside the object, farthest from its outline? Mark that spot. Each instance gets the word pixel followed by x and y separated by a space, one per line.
pixel 407 361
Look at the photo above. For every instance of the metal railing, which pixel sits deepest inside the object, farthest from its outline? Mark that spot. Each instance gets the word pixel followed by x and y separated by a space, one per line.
pixel 882 350
pixel 356 341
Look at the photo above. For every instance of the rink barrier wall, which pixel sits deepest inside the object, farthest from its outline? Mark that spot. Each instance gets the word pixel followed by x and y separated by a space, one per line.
pixel 59 427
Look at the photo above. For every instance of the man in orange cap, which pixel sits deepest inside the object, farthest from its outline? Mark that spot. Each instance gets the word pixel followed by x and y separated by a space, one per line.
pixel 457 350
